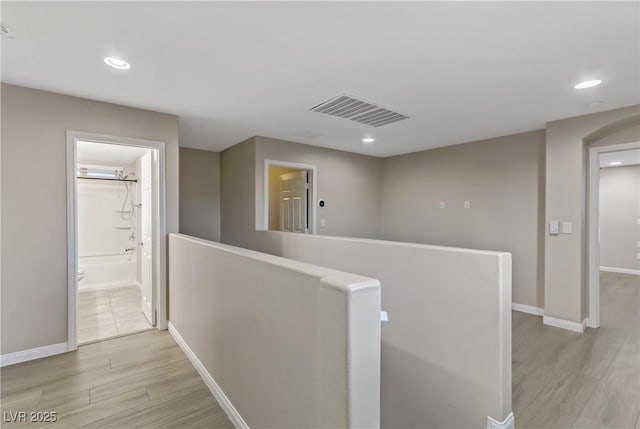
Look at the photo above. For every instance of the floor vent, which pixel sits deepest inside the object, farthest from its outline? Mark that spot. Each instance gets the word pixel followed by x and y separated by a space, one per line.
pixel 347 107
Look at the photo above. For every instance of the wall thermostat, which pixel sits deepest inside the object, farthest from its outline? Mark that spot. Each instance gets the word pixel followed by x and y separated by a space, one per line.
pixel 321 202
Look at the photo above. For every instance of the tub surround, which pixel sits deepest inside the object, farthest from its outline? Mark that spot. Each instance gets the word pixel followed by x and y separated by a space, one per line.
pixel 104 272
pixel 106 229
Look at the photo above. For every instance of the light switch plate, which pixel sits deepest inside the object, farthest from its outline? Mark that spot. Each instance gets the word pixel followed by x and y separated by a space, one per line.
pixel 567 228
pixel 442 204
pixel 467 204
pixel 554 227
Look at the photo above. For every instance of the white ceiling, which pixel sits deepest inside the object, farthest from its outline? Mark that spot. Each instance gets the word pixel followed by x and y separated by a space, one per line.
pixel 108 153
pixel 462 71
pixel 625 157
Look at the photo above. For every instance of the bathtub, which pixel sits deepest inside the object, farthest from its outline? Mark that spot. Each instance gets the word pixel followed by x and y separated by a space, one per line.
pixel 103 272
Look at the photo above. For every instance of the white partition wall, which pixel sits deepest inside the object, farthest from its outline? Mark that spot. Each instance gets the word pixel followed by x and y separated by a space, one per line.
pixel 281 343
pixel 446 349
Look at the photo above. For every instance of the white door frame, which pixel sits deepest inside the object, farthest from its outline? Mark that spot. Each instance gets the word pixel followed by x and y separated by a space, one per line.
pixel 297 165
pixel 159 227
pixel 593 227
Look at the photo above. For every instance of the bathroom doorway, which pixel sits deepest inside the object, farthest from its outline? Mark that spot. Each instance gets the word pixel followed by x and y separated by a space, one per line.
pixel 114 195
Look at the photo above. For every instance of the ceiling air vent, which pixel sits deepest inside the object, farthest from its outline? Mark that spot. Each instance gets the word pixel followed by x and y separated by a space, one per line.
pixel 354 109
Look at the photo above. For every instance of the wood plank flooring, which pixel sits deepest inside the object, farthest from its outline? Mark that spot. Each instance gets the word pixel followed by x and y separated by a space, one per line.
pixel 563 379
pixel 137 381
pixel 108 313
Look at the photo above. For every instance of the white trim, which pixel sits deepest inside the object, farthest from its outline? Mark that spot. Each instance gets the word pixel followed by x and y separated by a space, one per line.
pixel 72 245
pixel 507 423
pixel 530 309
pixel 160 227
pixel 565 324
pixel 620 270
pixel 314 190
pixel 217 392
pixel 31 354
pixel 593 227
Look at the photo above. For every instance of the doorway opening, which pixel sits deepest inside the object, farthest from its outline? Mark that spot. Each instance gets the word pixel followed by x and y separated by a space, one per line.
pixel 115 218
pixel 289 197
pixel 613 228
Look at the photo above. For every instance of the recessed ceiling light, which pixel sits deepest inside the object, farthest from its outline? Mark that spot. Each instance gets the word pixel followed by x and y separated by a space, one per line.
pixel 368 140
pixel 614 163
pixel 117 63
pixel 587 84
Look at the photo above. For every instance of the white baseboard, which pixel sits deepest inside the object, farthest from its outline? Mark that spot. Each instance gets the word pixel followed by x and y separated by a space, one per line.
pixel 32 354
pixel 217 392
pixel 620 270
pixel 507 423
pixel 530 309
pixel 564 324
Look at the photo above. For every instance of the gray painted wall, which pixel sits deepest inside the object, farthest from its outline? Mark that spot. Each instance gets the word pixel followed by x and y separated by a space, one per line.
pixel 300 348
pixel 428 377
pixel 237 193
pixel 397 198
pixel 502 178
pixel 200 193
pixel 619 211
pixel 34 201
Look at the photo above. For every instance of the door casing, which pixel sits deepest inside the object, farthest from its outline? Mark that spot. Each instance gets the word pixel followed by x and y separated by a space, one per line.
pixel 593 228
pixel 159 228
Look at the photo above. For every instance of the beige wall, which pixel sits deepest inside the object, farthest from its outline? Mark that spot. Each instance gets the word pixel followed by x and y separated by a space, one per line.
pixel 446 350
pixel 566 200
pixel 274 195
pixel 503 178
pixel 237 193
pixel 200 193
pixel 619 211
pixel 349 183
pixel 34 236
pixel 298 348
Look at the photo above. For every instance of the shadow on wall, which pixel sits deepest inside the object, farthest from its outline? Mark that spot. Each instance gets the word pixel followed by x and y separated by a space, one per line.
pixel 415 391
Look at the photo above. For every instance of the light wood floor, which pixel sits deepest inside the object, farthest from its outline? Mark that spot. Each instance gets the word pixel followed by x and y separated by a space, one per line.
pixel 138 381
pixel 592 380
pixel 108 313
pixel 560 379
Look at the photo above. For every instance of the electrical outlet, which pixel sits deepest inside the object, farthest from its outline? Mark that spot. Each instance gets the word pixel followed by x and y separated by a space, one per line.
pixel 442 204
pixel 638 255
pixel 638 244
pixel 323 223
pixel 467 204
